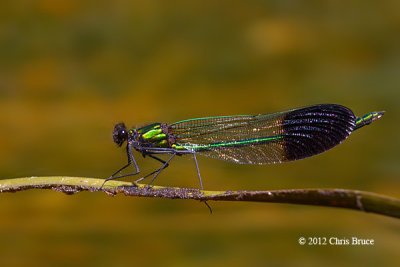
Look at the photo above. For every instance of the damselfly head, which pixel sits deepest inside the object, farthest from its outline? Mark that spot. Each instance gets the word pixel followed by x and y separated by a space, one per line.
pixel 120 133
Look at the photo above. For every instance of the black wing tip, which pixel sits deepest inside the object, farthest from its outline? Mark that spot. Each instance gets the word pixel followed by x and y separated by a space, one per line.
pixel 312 130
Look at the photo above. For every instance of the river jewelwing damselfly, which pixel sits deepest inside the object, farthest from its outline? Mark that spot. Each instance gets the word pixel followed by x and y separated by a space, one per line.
pixel 245 139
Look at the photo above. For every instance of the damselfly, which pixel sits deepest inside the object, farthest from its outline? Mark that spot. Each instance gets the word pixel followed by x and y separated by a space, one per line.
pixel 245 139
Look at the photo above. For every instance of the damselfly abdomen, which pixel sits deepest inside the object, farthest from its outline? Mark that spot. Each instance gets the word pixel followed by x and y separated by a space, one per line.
pixel 245 139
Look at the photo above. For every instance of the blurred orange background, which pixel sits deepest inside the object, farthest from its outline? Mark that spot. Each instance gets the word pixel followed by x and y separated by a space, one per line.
pixel 70 69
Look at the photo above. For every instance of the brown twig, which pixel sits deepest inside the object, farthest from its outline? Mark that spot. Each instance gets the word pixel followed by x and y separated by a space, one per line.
pixel 343 198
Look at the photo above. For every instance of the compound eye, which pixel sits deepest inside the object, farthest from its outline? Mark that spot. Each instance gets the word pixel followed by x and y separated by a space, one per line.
pixel 120 134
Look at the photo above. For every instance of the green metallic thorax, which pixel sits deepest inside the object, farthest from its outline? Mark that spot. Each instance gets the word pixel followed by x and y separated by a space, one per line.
pixel 152 135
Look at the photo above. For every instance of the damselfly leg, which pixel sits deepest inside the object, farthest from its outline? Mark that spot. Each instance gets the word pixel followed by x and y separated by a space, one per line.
pixel 131 160
pixel 198 173
pixel 157 172
pixel 166 164
pixel 174 152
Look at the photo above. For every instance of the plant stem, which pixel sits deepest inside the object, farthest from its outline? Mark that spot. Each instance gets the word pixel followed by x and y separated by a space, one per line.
pixel 343 198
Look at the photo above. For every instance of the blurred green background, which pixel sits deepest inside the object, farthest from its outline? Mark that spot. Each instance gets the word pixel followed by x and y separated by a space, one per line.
pixel 70 69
